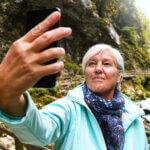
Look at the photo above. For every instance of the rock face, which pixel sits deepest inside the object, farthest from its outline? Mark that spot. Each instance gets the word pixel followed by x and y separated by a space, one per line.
pixel 92 21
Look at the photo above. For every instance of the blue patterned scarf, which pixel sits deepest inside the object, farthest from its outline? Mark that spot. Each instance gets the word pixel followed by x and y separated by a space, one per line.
pixel 108 114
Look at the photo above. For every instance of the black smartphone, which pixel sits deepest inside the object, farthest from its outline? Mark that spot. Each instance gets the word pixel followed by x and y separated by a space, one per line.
pixel 33 18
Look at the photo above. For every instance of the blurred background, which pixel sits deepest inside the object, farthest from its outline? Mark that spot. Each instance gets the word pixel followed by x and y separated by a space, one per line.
pixel 124 24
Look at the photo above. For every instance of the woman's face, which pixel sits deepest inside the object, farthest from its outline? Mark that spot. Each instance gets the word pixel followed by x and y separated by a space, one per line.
pixel 101 74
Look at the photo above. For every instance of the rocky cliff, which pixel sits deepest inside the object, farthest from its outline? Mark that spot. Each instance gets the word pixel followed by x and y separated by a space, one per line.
pixel 92 21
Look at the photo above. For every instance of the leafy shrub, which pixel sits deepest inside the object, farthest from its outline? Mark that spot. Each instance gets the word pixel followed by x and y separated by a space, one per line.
pixel 130 34
pixel 139 80
pixel 72 66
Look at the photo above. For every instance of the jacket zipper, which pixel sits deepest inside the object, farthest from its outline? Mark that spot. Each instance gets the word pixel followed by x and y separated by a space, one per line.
pixel 85 105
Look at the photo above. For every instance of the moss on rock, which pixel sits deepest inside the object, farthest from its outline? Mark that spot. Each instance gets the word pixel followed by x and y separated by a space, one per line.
pixel 134 88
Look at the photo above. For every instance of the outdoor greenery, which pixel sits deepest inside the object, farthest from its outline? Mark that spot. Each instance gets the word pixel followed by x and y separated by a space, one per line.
pixel 135 88
pixel 130 34
pixel 145 25
pixel 112 8
pixel 135 48
pixel 71 66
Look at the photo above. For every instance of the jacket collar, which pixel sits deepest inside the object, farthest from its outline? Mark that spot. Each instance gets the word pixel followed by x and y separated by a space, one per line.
pixel 132 111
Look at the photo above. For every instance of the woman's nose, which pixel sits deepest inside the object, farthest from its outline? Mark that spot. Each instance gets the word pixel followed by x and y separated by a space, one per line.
pixel 98 68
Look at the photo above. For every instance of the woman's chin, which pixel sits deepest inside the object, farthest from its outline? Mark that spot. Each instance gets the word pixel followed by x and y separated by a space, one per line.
pixel 96 88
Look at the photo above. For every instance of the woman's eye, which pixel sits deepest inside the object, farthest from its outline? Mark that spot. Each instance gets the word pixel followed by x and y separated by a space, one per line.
pixel 107 64
pixel 91 63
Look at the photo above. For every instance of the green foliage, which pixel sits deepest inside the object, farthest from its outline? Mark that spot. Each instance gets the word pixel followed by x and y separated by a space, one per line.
pixel 145 26
pixel 139 57
pixel 94 7
pixel 3 134
pixel 72 66
pixel 112 8
pixel 129 30
pixel 134 88
pixel 41 97
pixel 130 34
pixel 134 43
pixel 103 22
pixel 139 80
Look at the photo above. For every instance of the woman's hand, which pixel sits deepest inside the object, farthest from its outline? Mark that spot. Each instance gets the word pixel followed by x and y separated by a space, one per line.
pixel 24 64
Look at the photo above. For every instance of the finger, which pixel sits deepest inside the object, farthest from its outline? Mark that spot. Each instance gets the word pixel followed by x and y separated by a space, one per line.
pixel 42 27
pixel 51 68
pixel 50 54
pixel 49 37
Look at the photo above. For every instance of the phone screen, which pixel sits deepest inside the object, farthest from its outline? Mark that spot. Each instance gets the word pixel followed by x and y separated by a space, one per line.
pixel 33 18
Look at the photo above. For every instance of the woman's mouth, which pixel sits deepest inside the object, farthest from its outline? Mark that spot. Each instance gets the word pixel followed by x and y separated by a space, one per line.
pixel 98 78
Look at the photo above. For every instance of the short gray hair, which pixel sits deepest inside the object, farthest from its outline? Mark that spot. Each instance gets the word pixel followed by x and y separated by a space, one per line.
pixel 118 59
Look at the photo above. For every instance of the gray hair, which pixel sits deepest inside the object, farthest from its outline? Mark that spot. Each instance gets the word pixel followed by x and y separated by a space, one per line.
pixel 118 59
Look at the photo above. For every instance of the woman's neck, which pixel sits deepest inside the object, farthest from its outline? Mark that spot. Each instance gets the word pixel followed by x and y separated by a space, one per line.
pixel 107 95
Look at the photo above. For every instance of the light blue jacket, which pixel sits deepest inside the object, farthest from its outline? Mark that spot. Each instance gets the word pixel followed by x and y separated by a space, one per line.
pixel 71 125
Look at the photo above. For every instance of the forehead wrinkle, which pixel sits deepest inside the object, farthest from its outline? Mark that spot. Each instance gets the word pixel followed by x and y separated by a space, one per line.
pixel 105 58
pixel 92 59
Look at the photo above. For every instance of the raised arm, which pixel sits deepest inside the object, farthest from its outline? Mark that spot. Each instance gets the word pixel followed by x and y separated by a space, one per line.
pixel 24 64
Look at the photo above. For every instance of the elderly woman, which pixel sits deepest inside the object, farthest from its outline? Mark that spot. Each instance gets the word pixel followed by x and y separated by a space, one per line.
pixel 93 116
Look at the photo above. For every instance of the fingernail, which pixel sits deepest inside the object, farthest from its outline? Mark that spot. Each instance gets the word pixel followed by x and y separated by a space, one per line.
pixel 54 15
pixel 63 50
pixel 66 29
pixel 61 63
pixel 69 30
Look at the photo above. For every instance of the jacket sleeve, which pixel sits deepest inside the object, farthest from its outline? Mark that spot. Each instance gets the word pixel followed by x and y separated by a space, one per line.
pixel 40 127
